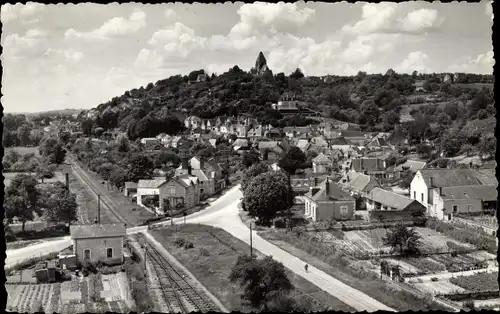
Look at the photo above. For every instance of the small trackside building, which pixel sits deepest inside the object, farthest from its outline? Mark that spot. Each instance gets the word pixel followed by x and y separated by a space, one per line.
pixel 98 243
pixel 390 206
pixel 328 201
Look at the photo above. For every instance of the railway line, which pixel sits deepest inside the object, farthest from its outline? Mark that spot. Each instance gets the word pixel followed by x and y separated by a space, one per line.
pixel 178 294
pixel 106 202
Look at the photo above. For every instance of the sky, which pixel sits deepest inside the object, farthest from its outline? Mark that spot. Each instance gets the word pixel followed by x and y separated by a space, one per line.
pixel 78 56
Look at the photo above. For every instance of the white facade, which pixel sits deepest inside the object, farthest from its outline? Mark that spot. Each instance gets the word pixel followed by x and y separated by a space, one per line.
pixel 420 192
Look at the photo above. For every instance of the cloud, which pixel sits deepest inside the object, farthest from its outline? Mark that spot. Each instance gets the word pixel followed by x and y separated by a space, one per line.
pixel 389 18
pixel 17 47
pixel 421 20
pixel 171 15
pixel 374 18
pixel 416 61
pixel 260 17
pixel 25 13
pixel 482 63
pixel 65 55
pixel 148 60
pixel 115 27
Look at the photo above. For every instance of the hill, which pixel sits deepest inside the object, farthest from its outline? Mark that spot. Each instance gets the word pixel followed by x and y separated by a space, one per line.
pixel 374 101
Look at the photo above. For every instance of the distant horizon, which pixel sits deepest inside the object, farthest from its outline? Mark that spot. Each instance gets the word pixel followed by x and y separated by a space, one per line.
pixel 81 56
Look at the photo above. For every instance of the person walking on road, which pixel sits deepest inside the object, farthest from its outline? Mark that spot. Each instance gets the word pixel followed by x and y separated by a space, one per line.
pixel 306 267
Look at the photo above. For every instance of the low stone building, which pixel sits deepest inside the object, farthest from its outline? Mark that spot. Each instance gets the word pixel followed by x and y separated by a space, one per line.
pixel 98 243
pixel 328 201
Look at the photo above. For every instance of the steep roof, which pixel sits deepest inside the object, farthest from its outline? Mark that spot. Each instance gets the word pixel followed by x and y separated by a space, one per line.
pixel 321 159
pixel 486 176
pixel 449 177
pixel 329 191
pixel 150 184
pixel 357 181
pixel 391 199
pixel 97 231
pixel 303 144
pixel 130 185
pixel 352 133
pixel 340 141
pixel 240 142
pixel 483 192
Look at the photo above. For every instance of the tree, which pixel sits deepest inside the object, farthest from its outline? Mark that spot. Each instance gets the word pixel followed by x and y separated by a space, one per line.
pixel 266 195
pixel 118 177
pixel 23 134
pixel 253 171
pixel 86 126
pixel 250 158
pixel 406 179
pixel 44 170
pixel 488 145
pixel 292 160
pixel 451 144
pixel 369 113
pixel 139 167
pixel 424 150
pixel 123 144
pixel 297 74
pixel 60 204
pixel 53 150
pixel 262 279
pixel 403 239
pixel 22 199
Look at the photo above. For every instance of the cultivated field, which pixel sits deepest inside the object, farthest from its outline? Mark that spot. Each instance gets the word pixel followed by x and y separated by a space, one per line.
pixel 107 293
pixel 214 254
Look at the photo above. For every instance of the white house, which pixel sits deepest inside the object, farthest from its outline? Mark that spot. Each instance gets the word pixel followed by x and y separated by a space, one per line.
pixel 426 181
pixel 321 164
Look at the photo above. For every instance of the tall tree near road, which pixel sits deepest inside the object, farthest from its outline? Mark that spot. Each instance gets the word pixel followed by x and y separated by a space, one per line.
pixel 60 204
pixel 403 239
pixel 292 160
pixel 22 199
pixel 53 150
pixel 252 172
pixel 266 195
pixel 139 167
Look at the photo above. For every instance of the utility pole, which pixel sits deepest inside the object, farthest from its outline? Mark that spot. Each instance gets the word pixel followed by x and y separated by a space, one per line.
pixel 99 208
pixel 251 244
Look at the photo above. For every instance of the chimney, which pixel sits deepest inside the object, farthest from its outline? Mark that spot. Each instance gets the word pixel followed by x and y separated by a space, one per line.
pixel 67 180
pixel 185 163
pixel 376 163
pixel 189 170
pixel 440 191
pixel 315 182
pixel 327 187
pixel 347 178
pixel 362 164
pixel 202 163
pixel 431 181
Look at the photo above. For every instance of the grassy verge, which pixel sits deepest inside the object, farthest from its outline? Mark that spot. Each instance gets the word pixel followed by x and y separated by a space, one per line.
pixel 29 263
pixel 20 244
pixel 339 266
pixel 212 258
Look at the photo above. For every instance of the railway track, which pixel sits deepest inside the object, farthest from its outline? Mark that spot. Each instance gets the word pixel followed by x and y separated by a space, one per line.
pixel 105 200
pixel 178 294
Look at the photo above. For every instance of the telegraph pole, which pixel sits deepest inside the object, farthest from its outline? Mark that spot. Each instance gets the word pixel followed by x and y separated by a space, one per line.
pixel 251 244
pixel 99 208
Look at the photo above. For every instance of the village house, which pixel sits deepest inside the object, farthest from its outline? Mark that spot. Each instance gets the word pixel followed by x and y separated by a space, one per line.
pixel 321 164
pixel 98 243
pixel 184 143
pixel 297 131
pixel 354 137
pixel 174 140
pixel 210 181
pixel 241 144
pixel 192 122
pixel 358 183
pixel 255 132
pixel 270 150
pixel 149 141
pixel 411 166
pixel 387 206
pixel 303 145
pixel 370 166
pixel 319 144
pixel 469 199
pixel 340 143
pixel 428 184
pixel 328 201
pixel 377 143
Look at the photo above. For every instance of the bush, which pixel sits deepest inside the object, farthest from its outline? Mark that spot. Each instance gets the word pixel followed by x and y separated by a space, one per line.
pixel 179 242
pixel 88 268
pixel 188 245
pixel 204 252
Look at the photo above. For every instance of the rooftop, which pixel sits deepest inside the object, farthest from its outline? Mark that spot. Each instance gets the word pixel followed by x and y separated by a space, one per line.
pixel 450 177
pixel 391 199
pixel 483 192
pixel 150 184
pixel 329 191
pixel 97 231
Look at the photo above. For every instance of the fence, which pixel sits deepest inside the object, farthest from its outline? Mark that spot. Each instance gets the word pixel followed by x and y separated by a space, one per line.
pixel 480 295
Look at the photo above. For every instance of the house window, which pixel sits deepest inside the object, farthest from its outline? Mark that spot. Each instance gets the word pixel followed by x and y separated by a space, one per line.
pixel 172 190
pixel 469 208
pixel 86 254
pixel 343 210
pixel 455 209
pixel 422 196
pixel 414 195
pixel 109 252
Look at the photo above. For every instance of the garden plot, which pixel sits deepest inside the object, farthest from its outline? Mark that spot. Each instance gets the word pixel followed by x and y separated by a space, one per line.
pixel 457 263
pixel 30 298
pixel 425 264
pixel 433 240
pixel 438 287
pixel 365 241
